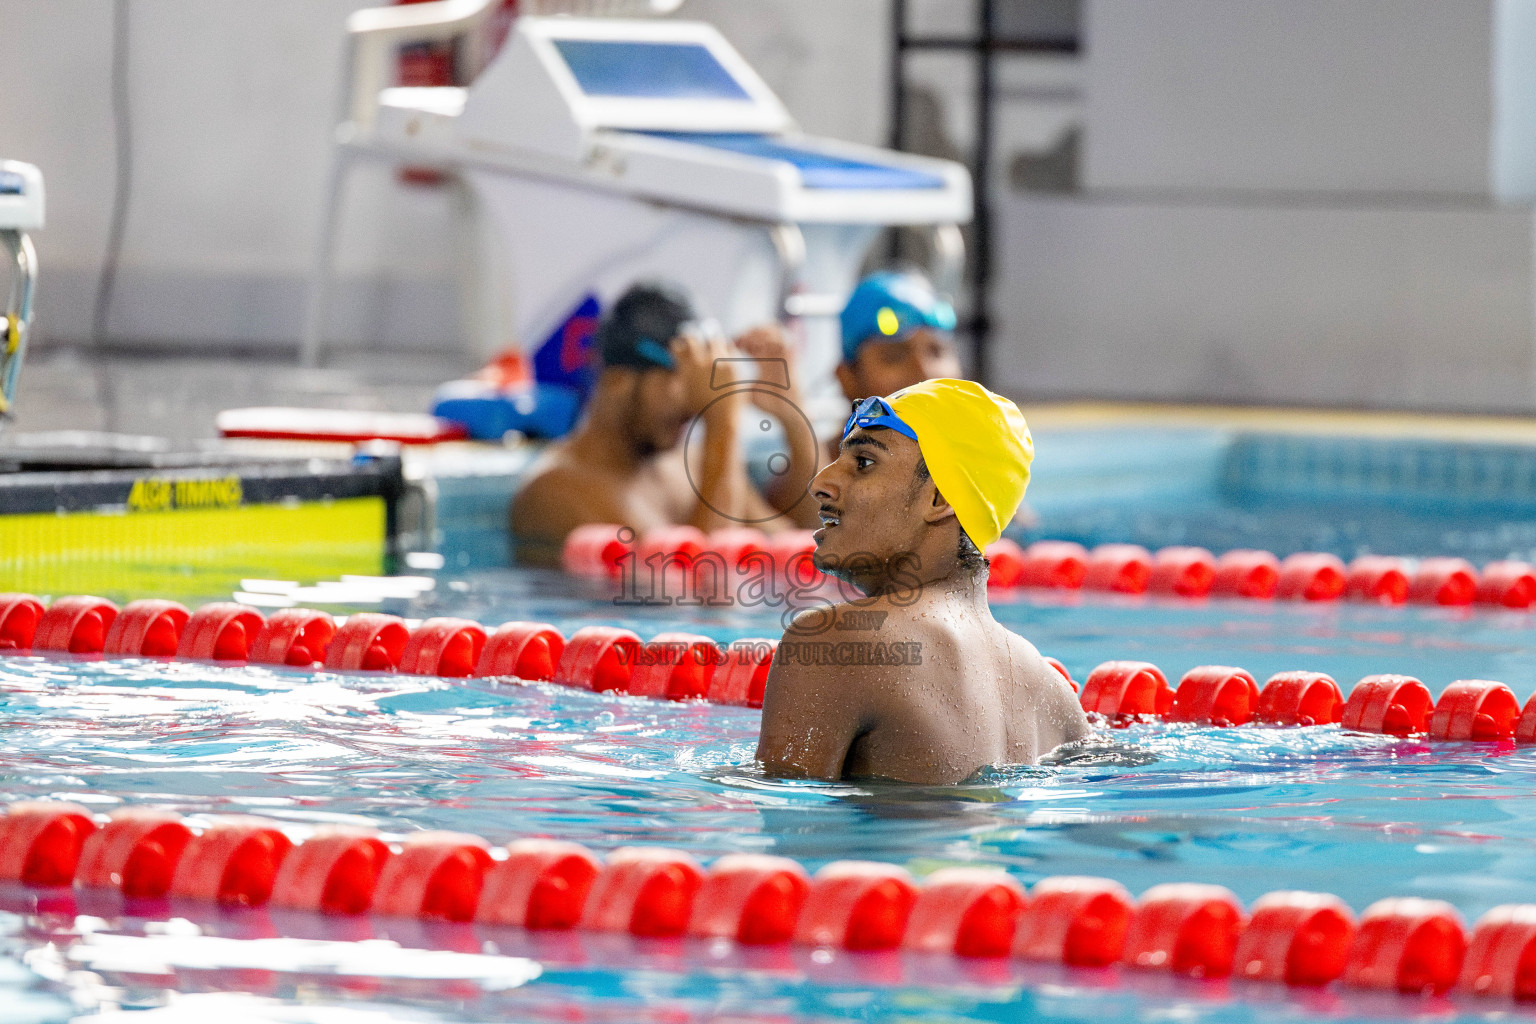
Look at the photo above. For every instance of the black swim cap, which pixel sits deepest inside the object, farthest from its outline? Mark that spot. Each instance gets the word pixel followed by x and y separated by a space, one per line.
pixel 639 328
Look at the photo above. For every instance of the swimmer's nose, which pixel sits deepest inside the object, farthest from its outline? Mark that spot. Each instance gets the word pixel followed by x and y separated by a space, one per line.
pixel 823 489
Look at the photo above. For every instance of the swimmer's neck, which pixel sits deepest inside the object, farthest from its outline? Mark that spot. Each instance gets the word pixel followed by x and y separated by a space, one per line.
pixel 948 584
pixel 600 439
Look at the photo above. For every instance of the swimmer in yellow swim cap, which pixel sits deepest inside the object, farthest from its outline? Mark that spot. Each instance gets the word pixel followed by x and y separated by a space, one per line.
pixel 915 681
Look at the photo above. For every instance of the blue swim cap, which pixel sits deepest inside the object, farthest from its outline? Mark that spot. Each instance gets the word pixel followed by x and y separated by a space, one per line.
pixel 889 306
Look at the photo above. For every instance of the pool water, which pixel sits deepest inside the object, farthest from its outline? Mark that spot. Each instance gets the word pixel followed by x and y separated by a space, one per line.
pixel 1253 809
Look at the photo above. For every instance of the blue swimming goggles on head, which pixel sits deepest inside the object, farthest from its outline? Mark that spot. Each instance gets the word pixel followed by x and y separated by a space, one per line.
pixel 876 412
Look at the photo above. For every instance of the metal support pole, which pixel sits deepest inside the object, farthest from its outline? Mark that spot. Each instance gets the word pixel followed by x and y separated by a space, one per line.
pixel 898 94
pixel 789 246
pixel 322 273
pixel 898 72
pixel 981 230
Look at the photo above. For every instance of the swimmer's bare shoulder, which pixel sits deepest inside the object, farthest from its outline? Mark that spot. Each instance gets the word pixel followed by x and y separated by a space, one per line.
pixel 995 672
pixel 556 497
pixel 1057 716
pixel 819 697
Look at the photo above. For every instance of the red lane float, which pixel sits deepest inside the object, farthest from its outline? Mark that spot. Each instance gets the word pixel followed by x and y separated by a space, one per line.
pixel 445 647
pixel 792 552
pixel 1408 944
pixel 40 841
pixel 543 885
pixel 670 542
pixel 19 616
pixel 596 550
pixel 1183 571
pixel 367 642
pixel 1123 691
pixel 1510 584
pixel 599 658
pixel 1061 670
pixel 645 891
pixel 1074 920
pixel 1057 564
pixel 1393 705
pixel 740 544
pixel 233 862
pixel 148 628
pixel 1214 695
pixel 1185 928
pixel 1311 576
pixel 1474 709
pixel 669 559
pixel 742 677
pixel 752 898
pixel 297 637
pixel 1501 956
pixel 1299 938
pixel 674 666
pixel 524 650
pixel 1244 573
pixel 966 911
pixel 1300 698
pixel 335 871
pixel 135 852
pixel 1120 568
pixel 1447 581
pixel 435 875
pixel 75 625
pixel 857 905
pixel 1005 564
pixel 1377 579
pixel 221 631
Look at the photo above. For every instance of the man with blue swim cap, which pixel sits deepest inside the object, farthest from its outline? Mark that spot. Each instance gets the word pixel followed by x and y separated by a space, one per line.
pixel 916 680
pixel 896 331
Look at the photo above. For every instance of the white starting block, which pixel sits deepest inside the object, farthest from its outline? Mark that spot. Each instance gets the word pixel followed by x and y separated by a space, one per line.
pixel 602 151
pixel 21 211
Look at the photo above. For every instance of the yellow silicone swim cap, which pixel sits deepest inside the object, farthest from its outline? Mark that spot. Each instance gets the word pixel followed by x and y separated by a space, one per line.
pixel 977 447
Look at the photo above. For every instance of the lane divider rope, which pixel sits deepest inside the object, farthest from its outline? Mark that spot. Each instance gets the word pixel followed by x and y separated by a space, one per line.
pixel 1405 944
pixel 690 666
pixel 601 551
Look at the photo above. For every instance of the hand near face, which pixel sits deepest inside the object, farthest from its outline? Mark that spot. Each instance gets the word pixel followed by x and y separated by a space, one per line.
pixel 769 342
pixel 706 370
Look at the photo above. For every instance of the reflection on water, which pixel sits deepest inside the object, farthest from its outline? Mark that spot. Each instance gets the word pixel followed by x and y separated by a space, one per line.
pixel 1098 750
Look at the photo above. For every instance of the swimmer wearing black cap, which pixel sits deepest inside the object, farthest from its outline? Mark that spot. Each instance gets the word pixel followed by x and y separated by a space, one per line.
pixel 625 462
pixel 916 681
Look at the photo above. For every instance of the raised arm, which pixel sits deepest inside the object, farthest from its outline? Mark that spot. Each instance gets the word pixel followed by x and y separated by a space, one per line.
pixel 787 491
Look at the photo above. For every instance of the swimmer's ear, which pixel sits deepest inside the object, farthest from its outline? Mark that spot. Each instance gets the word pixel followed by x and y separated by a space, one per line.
pixel 939 511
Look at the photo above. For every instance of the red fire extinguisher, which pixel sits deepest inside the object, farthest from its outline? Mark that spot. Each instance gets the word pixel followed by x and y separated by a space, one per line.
pixel 440 63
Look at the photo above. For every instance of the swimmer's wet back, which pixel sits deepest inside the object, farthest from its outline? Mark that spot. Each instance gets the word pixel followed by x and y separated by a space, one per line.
pixel 915 680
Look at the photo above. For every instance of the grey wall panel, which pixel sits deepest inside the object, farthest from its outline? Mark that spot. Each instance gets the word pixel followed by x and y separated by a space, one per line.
pixel 1385 306
pixel 1290 95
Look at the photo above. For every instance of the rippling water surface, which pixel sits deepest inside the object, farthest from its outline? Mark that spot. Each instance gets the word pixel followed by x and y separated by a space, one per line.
pixel 1253 809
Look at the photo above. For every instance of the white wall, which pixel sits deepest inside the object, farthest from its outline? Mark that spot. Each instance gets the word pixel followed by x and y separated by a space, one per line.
pixel 233 103
pixel 1289 95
